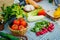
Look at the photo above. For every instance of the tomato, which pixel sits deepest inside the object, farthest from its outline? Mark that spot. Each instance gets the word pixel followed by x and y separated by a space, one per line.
pixel 21 19
pixel 41 12
pixel 20 27
pixel 17 22
pixel 14 27
pixel 24 23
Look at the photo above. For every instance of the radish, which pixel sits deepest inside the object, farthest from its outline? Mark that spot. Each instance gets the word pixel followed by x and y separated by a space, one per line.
pixel 37 33
pixel 49 29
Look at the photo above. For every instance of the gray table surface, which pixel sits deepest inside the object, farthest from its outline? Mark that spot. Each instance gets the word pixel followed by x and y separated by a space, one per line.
pixel 55 35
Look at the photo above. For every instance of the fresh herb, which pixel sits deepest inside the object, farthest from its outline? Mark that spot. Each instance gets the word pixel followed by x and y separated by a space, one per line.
pixel 10 11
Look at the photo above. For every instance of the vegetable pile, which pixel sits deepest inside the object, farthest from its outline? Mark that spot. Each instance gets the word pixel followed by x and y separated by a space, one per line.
pixel 42 27
pixel 33 12
pixel 19 24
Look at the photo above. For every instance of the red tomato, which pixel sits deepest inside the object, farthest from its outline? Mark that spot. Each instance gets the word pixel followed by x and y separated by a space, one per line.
pixel 17 22
pixel 21 19
pixel 14 27
pixel 42 12
pixel 20 27
pixel 24 23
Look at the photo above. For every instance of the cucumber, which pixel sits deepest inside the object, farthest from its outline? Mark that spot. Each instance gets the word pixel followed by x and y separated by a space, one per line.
pixel 8 36
pixel 3 39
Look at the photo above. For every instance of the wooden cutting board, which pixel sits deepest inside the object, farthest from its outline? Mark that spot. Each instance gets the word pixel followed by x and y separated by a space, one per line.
pixel 6 3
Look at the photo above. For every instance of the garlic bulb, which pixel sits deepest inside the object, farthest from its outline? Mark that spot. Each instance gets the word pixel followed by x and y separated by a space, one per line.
pixel 29 8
